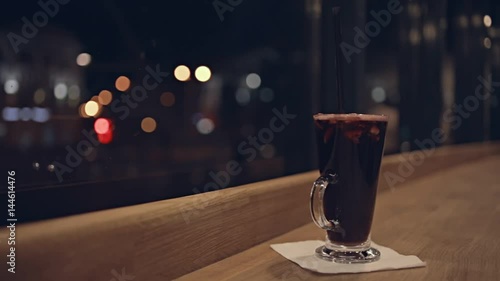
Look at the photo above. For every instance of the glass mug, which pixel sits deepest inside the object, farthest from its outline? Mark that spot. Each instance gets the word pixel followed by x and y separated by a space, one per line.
pixel 350 150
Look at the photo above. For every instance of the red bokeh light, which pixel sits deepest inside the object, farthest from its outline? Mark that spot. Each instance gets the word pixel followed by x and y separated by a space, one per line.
pixel 105 138
pixel 102 126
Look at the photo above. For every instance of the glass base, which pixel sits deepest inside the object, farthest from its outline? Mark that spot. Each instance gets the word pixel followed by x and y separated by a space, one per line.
pixel 365 256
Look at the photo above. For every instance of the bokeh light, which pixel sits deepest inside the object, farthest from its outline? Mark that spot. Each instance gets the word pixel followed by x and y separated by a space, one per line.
pixel 268 151
pixel 476 20
pixel 102 126
pixel 487 21
pixel 487 43
pixel 242 96
pixel 51 168
pixel 83 59
pixel 25 114
pixel 122 83
pixel 148 125
pixel 415 37
pixel 81 110
pixel 167 99
pixel 182 73
pixel 205 126
pixel 266 95
pixel 378 94
pixel 99 106
pixel 74 92
pixel 105 97
pixel 11 86
pixel 253 81
pixel 463 21
pixel 60 91
pixel 105 138
pixel 91 108
pixel 203 74
pixel 414 11
pixel 430 31
pixel 41 115
pixel 10 114
pixel 39 96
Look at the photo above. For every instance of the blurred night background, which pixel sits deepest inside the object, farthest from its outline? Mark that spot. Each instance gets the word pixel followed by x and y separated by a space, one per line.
pixel 68 67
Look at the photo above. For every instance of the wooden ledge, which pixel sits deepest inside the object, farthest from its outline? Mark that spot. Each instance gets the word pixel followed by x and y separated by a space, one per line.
pixel 167 239
pixel 448 219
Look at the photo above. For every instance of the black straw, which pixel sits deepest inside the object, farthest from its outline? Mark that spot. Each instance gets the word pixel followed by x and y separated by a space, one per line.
pixel 338 60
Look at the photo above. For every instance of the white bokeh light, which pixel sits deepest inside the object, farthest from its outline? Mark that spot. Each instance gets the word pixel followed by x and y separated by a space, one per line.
pixel 487 21
pixel 11 86
pixel 253 81
pixel 60 91
pixel 203 73
pixel 205 126
pixel 378 94
pixel 83 59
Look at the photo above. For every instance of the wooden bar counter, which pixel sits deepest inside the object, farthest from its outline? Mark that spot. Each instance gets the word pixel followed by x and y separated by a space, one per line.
pixel 445 209
pixel 450 219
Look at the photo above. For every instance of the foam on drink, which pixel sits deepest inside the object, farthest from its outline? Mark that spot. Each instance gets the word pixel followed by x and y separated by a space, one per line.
pixel 350 117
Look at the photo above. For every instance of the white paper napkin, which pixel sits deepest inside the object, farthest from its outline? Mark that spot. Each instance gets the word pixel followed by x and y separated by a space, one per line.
pixel 302 253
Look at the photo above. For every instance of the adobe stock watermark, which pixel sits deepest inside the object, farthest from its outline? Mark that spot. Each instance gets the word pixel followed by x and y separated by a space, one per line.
pixel 40 19
pixel 223 6
pixel 372 29
pixel 123 276
pixel 123 106
pixel 455 116
pixel 249 149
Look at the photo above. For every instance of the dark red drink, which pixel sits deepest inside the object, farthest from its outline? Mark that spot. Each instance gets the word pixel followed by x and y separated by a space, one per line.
pixel 350 146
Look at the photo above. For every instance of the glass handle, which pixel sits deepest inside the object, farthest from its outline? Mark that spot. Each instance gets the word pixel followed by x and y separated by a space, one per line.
pixel 316 203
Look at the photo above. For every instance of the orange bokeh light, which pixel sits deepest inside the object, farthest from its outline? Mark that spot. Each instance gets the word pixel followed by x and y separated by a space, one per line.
pixel 122 83
pixel 167 99
pixel 81 111
pixel 148 125
pixel 105 97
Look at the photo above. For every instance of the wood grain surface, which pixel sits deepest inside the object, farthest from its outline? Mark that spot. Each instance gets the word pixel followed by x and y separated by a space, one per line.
pixel 167 239
pixel 450 219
